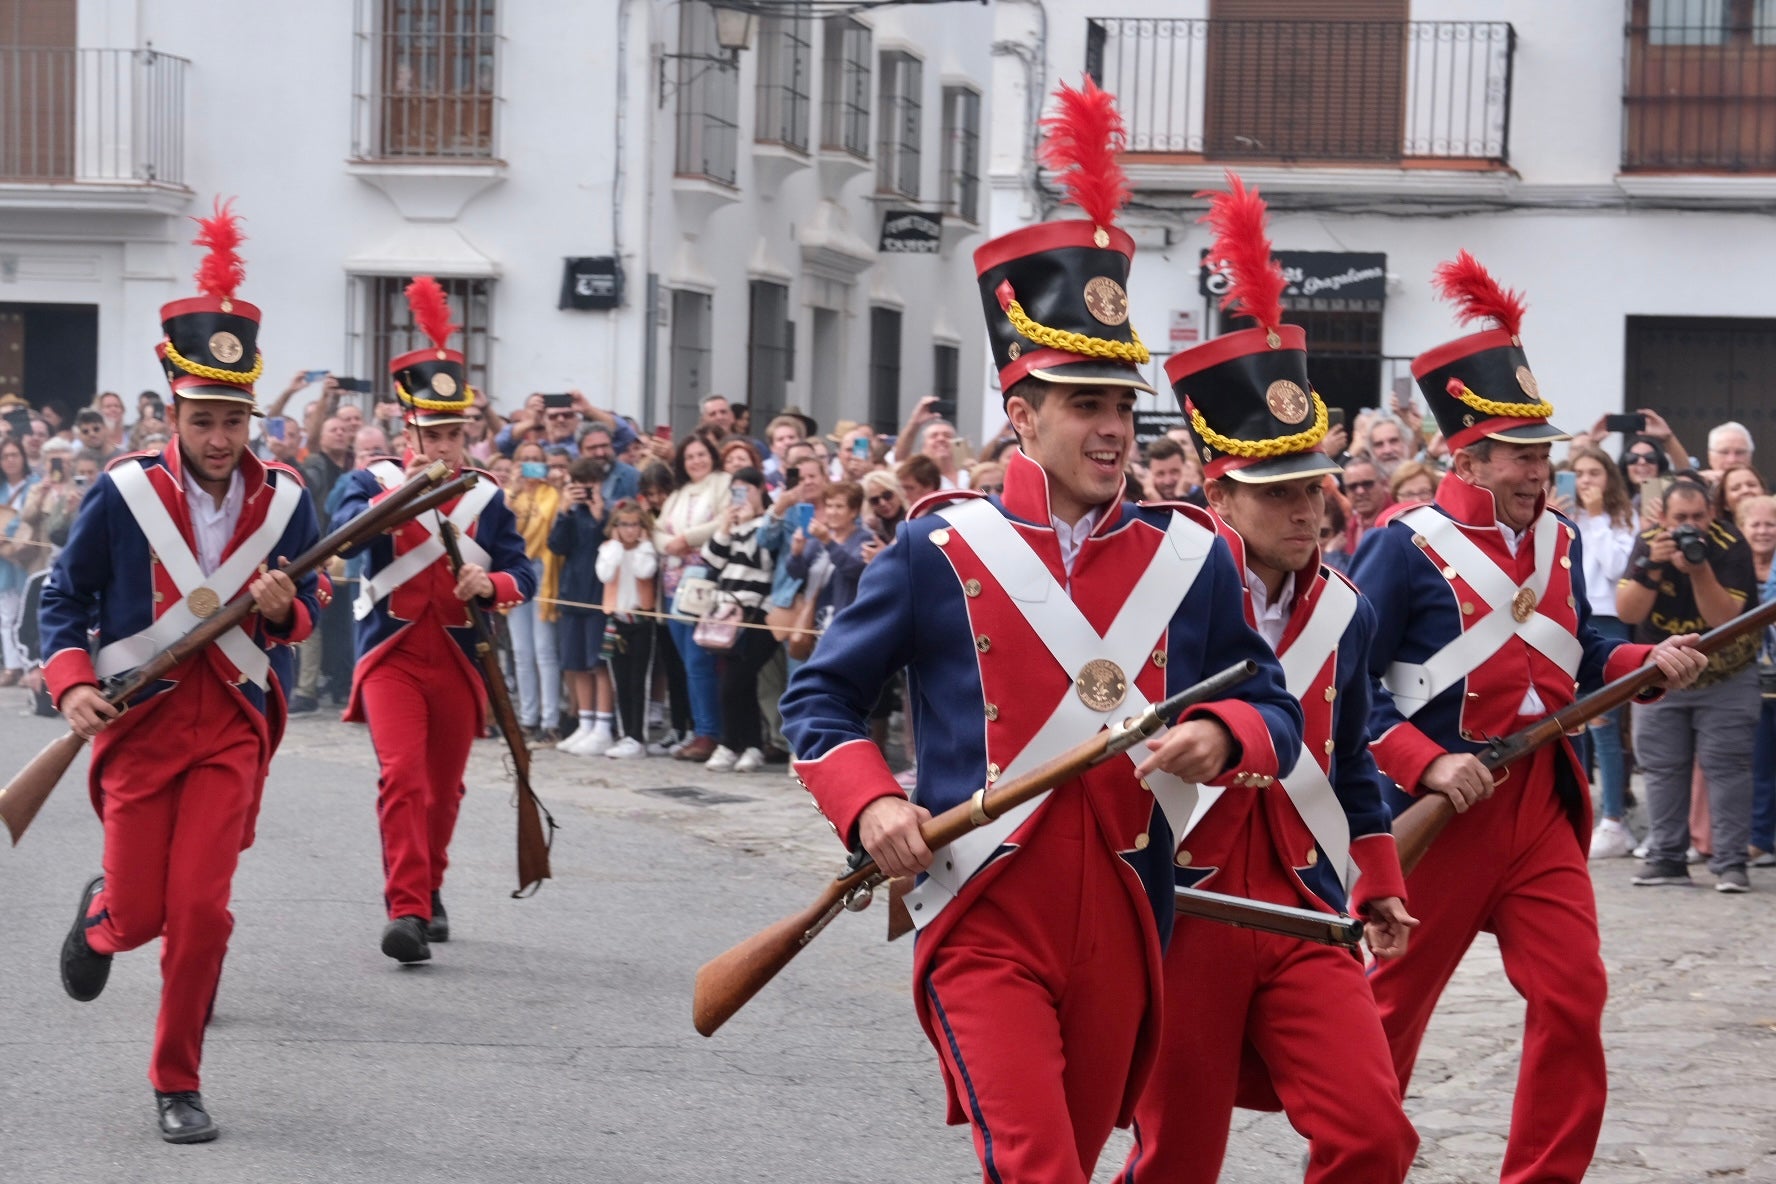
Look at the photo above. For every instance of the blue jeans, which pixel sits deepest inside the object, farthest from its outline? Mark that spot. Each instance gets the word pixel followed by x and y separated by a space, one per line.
pixel 1605 736
pixel 537 662
pixel 700 679
pixel 1763 780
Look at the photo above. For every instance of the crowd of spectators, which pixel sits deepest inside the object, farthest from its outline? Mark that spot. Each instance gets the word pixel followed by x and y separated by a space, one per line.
pixel 682 580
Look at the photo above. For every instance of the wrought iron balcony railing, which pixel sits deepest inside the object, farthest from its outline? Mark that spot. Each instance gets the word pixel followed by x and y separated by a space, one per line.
pixel 1316 92
pixel 1699 86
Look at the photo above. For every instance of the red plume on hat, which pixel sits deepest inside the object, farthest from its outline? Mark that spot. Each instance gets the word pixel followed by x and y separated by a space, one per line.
pixel 1476 295
pixel 431 309
pixel 222 270
pixel 1080 144
pixel 1242 249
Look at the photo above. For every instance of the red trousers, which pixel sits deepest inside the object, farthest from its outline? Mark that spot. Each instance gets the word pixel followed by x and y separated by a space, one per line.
pixel 175 815
pixel 1512 865
pixel 1039 992
pixel 1304 1010
pixel 423 717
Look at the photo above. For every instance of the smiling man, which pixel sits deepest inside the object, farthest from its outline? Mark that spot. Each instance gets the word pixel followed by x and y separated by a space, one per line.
pixel 1485 629
pixel 161 542
pixel 1026 623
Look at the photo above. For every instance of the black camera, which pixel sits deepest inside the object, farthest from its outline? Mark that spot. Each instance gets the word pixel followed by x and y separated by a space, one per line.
pixel 1690 543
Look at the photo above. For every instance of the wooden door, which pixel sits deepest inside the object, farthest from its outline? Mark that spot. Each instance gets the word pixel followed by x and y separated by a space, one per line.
pixel 1701 371
pixel 37 103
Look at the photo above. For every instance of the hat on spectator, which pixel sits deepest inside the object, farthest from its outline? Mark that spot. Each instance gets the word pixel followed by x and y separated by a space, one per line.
pixel 1252 411
pixel 844 428
pixel 208 337
pixel 1480 386
pixel 431 384
pixel 810 425
pixel 1055 294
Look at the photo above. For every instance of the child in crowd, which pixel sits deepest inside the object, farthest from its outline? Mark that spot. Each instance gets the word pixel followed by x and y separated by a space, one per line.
pixel 627 563
pixel 575 535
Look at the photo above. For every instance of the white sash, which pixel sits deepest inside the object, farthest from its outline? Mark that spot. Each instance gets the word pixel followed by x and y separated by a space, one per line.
pixel 1072 641
pixel 411 563
pixel 182 567
pixel 1307 785
pixel 1415 684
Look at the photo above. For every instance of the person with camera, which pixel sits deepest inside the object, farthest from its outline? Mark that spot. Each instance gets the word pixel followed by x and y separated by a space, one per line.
pixel 574 538
pixel 1692 573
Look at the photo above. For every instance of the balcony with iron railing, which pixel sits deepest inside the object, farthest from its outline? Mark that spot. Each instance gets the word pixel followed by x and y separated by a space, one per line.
pixel 1313 93
pixel 1699 87
pixel 112 118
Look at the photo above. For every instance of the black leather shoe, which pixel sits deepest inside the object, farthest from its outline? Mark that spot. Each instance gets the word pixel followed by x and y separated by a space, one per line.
pixel 404 940
pixel 303 704
pixel 183 1118
pixel 83 971
pixel 438 928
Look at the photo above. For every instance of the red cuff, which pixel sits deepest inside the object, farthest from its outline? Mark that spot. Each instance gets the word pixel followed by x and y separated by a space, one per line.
pixel 323 589
pixel 845 781
pixel 505 590
pixel 297 631
pixel 1378 862
pixel 1256 756
pixel 1404 753
pixel 67 669
pixel 1626 659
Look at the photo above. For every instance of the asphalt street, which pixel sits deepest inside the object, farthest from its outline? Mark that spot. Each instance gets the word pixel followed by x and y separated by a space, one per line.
pixel 550 1039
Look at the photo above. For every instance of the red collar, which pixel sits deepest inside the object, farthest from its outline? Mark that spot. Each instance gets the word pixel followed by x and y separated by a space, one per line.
pixel 252 470
pixel 1473 505
pixel 1026 495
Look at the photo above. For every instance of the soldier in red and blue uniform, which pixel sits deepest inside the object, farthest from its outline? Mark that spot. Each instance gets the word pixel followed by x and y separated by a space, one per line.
pixel 1026 623
pixel 162 542
pixel 417 683
pixel 1485 629
pixel 1256 1019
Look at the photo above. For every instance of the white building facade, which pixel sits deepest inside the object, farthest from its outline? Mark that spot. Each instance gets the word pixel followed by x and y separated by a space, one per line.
pixel 613 200
pixel 1613 159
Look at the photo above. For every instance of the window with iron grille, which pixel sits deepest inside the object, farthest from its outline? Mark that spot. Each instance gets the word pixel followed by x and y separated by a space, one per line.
pixel 1699 90
pixel 690 349
pixel 960 184
pixel 946 368
pixel 767 350
pixel 784 59
pixel 388 330
pixel 897 156
pixel 708 98
pixel 432 76
pixel 845 87
pixel 884 388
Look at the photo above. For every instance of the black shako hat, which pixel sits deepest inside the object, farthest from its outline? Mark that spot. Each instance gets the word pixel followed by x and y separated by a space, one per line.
pixel 431 384
pixel 211 348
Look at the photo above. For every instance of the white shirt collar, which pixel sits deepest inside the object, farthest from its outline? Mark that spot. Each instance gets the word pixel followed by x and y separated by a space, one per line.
pixel 1073 536
pixel 1272 619
pixel 212 524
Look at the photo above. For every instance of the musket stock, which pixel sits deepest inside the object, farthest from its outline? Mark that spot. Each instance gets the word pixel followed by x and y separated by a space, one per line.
pixel 728 981
pixel 25 794
pixel 1418 826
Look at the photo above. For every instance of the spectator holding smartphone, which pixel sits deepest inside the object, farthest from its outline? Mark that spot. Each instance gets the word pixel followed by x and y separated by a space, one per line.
pixel 743 567
pixel 886 507
pixel 575 538
pixel 535 657
pixel 690 516
pixel 626 565
pixel 828 555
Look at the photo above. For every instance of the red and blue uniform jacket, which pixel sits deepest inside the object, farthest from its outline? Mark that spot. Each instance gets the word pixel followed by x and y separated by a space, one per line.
pixel 108 584
pixel 1335 734
pixel 982 684
pixel 1422 602
pixel 429 596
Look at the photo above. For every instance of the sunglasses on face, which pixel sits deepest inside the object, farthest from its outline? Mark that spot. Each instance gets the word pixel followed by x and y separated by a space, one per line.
pixel 878 499
pixel 1642 458
pixel 1360 486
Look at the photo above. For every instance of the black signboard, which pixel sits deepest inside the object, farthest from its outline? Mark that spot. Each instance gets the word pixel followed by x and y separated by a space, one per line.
pixel 593 282
pixel 1151 425
pixel 1339 275
pixel 911 232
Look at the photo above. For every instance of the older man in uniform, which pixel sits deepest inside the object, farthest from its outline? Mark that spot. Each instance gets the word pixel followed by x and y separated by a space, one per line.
pixel 161 542
pixel 1484 629
pixel 1026 623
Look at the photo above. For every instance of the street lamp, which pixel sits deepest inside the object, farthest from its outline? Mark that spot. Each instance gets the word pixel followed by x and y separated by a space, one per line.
pixel 733 33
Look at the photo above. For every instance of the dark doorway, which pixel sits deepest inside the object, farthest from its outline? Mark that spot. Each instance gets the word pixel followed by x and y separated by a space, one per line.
pixel 1701 371
pixel 53 351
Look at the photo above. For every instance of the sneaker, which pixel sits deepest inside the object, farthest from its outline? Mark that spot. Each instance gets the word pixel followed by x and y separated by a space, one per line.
pixel 626 749
pixel 656 714
pixel 580 735
pixel 597 742
pixel 1640 851
pixel 750 761
pixel 1660 872
pixel 303 704
pixel 722 759
pixel 1611 840
pixel 667 745
pixel 1758 857
pixel 1693 856
pixel 1733 879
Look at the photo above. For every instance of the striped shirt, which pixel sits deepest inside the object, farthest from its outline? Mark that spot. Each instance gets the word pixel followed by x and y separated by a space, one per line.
pixel 742 566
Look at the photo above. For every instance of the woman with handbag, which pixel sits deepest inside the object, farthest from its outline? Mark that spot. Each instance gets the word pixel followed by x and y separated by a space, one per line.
pixel 743 586
pixel 689 519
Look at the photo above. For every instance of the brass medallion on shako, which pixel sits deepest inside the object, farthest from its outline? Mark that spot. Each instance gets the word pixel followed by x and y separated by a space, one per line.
pixel 225 347
pixel 1101 684
pixel 1527 381
pixel 1106 301
pixel 443 385
pixel 1523 604
pixel 203 603
pixel 1287 401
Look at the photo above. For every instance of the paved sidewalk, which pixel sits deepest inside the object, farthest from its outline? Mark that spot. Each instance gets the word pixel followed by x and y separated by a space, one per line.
pixel 1691 1027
